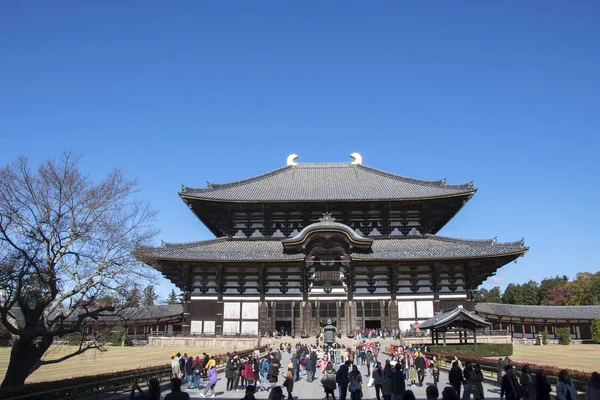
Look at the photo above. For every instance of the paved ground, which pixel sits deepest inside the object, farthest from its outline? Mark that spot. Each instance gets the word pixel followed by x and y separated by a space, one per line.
pixel 304 390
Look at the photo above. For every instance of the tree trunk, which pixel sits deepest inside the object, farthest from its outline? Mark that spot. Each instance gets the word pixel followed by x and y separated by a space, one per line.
pixel 25 357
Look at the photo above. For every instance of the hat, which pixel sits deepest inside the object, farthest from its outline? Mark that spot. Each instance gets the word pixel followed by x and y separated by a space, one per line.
pixel 174 354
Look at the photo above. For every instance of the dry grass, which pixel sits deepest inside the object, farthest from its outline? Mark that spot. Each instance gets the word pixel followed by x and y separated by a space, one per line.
pixel 94 362
pixel 582 357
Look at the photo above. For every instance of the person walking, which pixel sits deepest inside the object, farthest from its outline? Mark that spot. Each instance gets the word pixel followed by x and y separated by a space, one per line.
pixel 341 378
pixel 527 388
pixel 378 380
pixel 420 366
pixel 565 390
pixel 369 361
pixel 455 377
pixel 311 367
pixel 542 386
pixel 435 371
pixel 398 382
pixel 288 384
pixel 355 384
pixel 476 383
pixel 328 381
pixel 189 371
pixel 212 381
pixel 510 387
pixel 386 389
pixel 273 374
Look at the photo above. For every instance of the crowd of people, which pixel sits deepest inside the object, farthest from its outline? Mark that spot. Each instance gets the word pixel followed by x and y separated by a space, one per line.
pixel 337 369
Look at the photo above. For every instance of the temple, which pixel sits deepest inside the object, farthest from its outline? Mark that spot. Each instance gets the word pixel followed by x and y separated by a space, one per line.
pixel 311 242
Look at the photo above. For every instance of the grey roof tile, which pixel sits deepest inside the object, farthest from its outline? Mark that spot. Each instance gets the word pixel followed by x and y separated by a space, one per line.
pixel 428 247
pixel 327 182
pixel 446 316
pixel 548 312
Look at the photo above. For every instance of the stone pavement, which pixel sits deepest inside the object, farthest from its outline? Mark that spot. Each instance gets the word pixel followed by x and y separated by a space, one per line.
pixel 304 390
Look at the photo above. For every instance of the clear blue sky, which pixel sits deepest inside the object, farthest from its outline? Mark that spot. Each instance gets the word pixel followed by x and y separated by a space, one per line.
pixel 505 93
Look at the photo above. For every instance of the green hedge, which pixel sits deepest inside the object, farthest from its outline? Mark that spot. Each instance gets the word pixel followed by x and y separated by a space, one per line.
pixel 564 336
pixel 596 331
pixel 476 350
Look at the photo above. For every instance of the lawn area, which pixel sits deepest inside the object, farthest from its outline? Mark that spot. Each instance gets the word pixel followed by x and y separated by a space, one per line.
pixel 94 362
pixel 582 357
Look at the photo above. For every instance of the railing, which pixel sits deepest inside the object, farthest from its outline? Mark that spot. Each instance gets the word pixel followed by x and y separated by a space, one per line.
pixel 451 334
pixel 201 335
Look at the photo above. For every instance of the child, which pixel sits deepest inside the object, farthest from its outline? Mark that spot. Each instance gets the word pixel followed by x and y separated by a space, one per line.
pixel 413 375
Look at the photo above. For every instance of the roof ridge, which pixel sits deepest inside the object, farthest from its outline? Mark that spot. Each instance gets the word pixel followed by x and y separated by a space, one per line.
pixel 214 186
pixel 423 182
pixel 487 242
pixel 536 306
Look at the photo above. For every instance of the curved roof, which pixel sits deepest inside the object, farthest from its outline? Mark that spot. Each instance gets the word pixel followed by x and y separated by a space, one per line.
pixel 455 316
pixel 415 248
pixel 327 182
pixel 539 312
pixel 327 223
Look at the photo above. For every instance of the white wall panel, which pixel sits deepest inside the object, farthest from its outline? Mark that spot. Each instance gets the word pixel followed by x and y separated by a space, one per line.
pixel 250 311
pixel 209 327
pixel 406 309
pixel 231 327
pixel 250 327
pixel 424 309
pixel 231 310
pixel 196 327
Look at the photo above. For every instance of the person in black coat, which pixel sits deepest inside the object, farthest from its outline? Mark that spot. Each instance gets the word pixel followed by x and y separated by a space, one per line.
pixel 230 371
pixel 510 386
pixel 398 382
pixel 455 377
pixel 342 379
pixel 311 368
pixel 420 366
pixel 542 386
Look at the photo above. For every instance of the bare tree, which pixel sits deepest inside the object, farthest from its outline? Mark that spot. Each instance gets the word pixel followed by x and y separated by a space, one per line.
pixel 65 242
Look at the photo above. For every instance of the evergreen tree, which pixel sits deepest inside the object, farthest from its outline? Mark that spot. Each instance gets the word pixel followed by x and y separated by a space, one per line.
pixel 150 296
pixel 529 293
pixel 134 298
pixel 489 296
pixel 513 294
pixel 172 297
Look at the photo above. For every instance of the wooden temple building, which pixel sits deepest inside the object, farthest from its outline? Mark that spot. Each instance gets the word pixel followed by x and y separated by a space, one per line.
pixel 309 242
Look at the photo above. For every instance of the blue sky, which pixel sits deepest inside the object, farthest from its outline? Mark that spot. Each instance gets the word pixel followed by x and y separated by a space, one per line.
pixel 505 93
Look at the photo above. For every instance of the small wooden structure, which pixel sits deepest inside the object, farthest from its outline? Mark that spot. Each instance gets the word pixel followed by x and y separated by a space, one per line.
pixel 457 319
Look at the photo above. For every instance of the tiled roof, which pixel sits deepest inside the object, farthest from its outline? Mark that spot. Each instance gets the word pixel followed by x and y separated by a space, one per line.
pixel 327 182
pixel 428 247
pixel 447 316
pixel 125 314
pixel 547 312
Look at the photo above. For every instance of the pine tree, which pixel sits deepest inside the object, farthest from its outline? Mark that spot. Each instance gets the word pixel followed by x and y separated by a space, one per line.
pixel 150 296
pixel 172 297
pixel 133 298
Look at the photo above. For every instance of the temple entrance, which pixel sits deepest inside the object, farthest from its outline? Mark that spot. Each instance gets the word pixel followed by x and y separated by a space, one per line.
pixel 373 324
pixel 283 328
pixel 323 322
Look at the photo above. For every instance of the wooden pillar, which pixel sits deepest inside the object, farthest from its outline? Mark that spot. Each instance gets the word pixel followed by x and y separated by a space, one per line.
pixel 460 336
pixel 523 329
pixel 475 336
pixel 444 334
pixel 134 332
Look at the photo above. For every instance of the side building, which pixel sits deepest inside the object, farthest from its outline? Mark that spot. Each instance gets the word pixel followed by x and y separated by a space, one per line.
pixel 310 242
